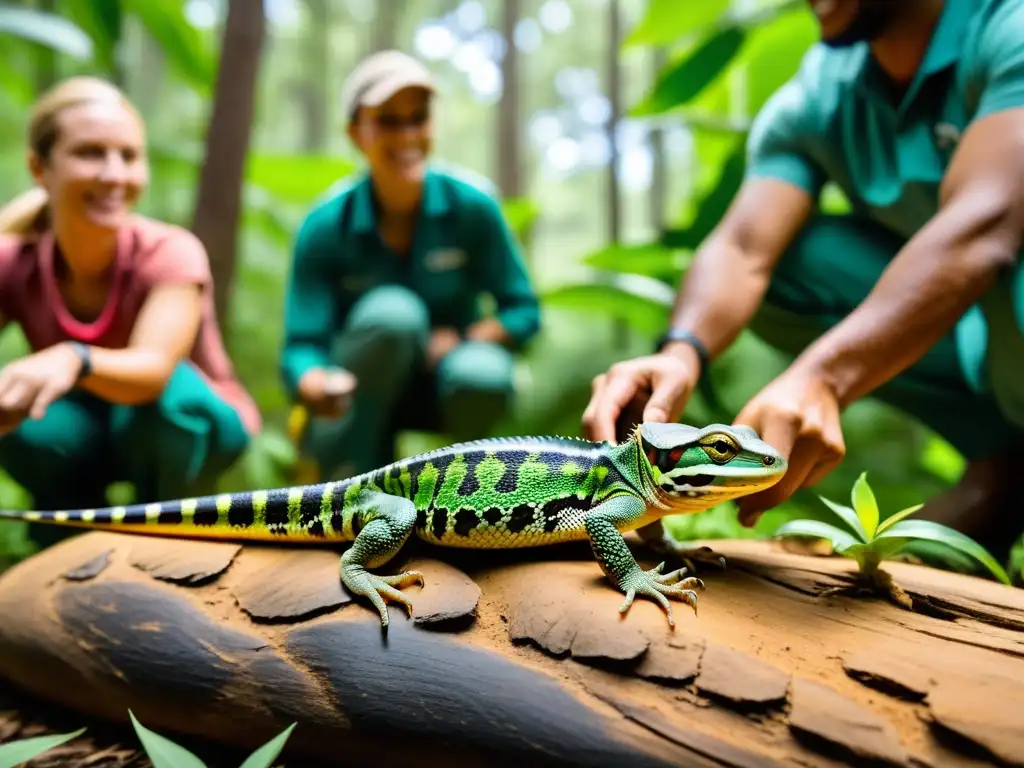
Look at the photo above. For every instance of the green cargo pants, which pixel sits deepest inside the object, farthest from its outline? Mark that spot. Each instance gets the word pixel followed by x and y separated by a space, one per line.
pixel 68 458
pixel 384 345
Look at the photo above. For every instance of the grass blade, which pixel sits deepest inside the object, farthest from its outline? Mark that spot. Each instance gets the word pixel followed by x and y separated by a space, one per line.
pixel 163 752
pixel 848 516
pixel 267 754
pixel 23 750
pixel 841 540
pixel 925 529
pixel 866 505
pixel 893 519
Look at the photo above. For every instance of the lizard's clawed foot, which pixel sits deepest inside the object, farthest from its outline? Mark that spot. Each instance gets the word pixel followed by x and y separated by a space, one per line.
pixel 378 588
pixel 689 556
pixel 656 585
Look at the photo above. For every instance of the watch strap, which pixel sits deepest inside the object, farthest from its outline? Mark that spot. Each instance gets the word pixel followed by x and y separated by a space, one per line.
pixel 82 350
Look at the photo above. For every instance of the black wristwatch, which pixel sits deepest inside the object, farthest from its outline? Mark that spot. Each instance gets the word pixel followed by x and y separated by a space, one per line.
pixel 678 334
pixel 82 350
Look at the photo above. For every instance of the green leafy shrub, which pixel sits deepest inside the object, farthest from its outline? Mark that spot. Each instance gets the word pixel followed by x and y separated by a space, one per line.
pixel 869 542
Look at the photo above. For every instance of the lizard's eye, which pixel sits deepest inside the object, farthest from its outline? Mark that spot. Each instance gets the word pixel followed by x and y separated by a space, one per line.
pixel 720 448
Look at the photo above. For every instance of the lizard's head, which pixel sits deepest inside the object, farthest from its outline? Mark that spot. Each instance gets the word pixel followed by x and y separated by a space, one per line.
pixel 699 468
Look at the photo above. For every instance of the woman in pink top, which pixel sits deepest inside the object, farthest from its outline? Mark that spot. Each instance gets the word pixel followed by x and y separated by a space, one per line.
pixel 128 378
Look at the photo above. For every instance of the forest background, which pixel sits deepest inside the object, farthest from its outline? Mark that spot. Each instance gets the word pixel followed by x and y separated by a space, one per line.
pixel 614 130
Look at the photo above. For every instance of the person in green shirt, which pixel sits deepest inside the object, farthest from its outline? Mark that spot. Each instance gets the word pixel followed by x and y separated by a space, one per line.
pixel 384 325
pixel 915 110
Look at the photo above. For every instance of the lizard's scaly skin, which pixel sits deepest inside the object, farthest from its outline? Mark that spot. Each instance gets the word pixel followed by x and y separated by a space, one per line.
pixel 498 493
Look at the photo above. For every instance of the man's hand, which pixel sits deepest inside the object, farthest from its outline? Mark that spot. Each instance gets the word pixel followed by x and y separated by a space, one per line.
pixel 660 384
pixel 798 415
pixel 29 385
pixel 442 341
pixel 327 391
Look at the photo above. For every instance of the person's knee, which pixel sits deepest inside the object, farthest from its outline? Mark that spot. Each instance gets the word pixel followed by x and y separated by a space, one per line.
pixel 391 313
pixel 476 366
pixel 188 408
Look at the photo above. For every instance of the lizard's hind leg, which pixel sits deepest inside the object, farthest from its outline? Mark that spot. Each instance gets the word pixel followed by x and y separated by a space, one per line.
pixel 387 522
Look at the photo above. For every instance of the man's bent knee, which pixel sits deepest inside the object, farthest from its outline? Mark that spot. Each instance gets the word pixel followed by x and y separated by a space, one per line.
pixel 391 312
pixel 477 366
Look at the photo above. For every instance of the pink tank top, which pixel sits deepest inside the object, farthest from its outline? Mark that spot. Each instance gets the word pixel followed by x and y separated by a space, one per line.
pixel 149 254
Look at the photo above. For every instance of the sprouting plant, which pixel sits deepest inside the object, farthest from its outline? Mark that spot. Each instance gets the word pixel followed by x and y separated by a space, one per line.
pixel 161 751
pixel 871 542
pixel 15 753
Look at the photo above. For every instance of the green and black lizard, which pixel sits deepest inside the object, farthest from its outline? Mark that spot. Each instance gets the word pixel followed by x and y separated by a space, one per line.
pixel 496 493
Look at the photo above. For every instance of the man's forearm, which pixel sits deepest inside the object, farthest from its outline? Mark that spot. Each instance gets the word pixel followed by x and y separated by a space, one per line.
pixel 720 293
pixel 920 297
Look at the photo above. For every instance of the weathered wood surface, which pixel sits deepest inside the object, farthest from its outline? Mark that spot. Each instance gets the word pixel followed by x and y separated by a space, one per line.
pixel 515 657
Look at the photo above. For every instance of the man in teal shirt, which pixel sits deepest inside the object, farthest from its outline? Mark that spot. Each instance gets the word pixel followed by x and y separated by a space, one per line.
pixel 915 109
pixel 388 280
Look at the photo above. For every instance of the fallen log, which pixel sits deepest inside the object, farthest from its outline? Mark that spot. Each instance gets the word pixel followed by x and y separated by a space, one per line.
pixel 518 656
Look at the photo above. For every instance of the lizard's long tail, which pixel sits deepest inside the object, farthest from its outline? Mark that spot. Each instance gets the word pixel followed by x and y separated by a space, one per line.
pixel 300 513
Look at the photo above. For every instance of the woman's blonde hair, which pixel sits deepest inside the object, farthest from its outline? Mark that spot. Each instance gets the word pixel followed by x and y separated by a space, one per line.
pixel 29 211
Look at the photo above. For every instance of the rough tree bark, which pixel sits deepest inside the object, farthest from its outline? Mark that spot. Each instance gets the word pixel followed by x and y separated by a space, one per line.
pixel 511 658
pixel 219 199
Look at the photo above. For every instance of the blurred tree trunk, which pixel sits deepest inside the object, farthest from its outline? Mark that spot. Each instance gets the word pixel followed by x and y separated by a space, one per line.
pixel 508 146
pixel 385 25
pixel 312 91
pixel 614 79
pixel 219 200
pixel 659 190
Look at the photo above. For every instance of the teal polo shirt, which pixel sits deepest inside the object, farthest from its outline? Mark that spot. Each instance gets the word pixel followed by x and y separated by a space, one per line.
pixel 834 121
pixel 837 121
pixel 462 251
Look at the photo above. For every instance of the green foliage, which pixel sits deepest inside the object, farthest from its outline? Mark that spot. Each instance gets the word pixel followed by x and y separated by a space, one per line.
pixel 17 752
pixel 164 753
pixel 161 751
pixel 46 29
pixel 870 543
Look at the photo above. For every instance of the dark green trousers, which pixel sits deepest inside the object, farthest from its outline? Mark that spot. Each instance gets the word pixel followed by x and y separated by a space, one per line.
pixel 384 345
pixel 166 449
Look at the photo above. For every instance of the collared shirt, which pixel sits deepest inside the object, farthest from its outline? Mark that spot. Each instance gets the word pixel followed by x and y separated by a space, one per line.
pixel 462 251
pixel 837 121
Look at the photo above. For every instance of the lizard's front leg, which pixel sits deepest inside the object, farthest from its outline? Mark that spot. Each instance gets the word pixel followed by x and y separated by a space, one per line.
pixel 387 522
pixel 660 541
pixel 603 524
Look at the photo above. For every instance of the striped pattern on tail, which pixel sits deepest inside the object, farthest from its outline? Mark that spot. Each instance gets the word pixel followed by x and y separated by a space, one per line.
pixel 309 513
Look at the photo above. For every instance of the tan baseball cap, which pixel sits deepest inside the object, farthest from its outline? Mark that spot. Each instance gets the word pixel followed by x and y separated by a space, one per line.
pixel 380 76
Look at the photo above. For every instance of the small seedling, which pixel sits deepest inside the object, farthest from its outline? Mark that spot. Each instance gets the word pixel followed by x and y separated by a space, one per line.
pixel 872 542
pixel 161 751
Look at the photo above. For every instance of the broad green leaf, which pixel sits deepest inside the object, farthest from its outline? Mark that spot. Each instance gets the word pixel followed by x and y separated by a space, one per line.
pixel 297 179
pixel 926 529
pixel 667 21
pixel 521 213
pixel 841 540
pixel 864 554
pixel 865 505
pixel 47 29
pixel 683 81
pixel 17 752
pixel 187 52
pixel 887 546
pixel 103 22
pixel 163 752
pixel 651 259
pixel 645 314
pixel 713 205
pixel 774 52
pixel 267 754
pixel 848 516
pixel 893 519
